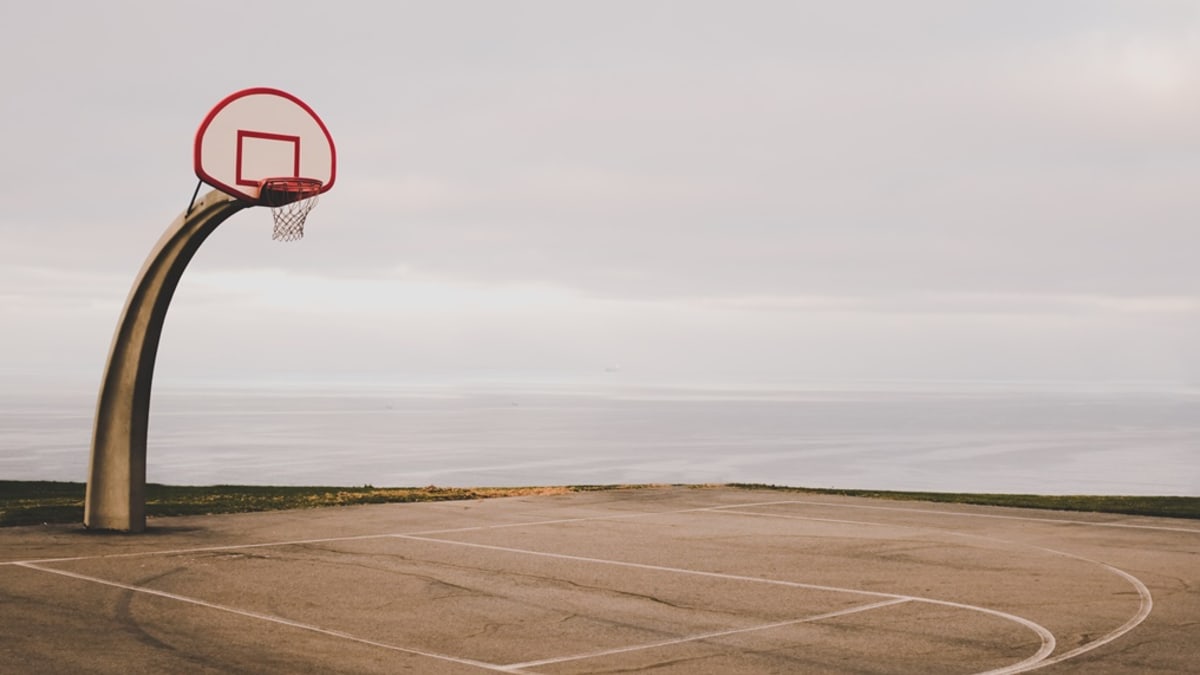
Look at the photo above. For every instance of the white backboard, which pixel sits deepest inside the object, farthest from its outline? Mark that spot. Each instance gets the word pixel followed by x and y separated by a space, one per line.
pixel 262 133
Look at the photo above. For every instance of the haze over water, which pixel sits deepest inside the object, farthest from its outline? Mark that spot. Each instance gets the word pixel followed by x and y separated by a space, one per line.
pixel 792 192
pixel 971 437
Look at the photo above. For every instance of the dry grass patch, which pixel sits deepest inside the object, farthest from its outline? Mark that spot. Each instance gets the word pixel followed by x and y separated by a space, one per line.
pixel 38 502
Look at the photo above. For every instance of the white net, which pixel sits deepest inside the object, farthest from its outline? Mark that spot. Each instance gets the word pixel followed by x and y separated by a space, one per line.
pixel 289 219
pixel 290 200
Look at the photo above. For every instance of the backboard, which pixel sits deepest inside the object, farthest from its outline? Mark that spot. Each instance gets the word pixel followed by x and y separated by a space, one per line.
pixel 262 133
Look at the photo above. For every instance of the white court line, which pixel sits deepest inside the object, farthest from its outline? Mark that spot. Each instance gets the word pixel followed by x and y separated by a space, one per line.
pixel 1047 638
pixel 1026 665
pixel 198 549
pixel 656 568
pixel 508 668
pixel 583 519
pixel 1146 600
pixel 557 521
pixel 266 617
pixel 1146 605
pixel 327 540
pixel 707 636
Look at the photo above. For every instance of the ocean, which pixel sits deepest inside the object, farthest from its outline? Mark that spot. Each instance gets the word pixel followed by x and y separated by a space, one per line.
pixel 977 437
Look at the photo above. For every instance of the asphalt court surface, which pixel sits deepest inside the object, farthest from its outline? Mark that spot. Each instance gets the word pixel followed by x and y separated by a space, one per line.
pixel 662 580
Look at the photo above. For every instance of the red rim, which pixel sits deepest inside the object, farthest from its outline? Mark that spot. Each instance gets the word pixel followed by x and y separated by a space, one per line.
pixel 284 190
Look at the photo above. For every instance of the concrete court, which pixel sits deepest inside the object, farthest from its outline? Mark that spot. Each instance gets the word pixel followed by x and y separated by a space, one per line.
pixel 662 580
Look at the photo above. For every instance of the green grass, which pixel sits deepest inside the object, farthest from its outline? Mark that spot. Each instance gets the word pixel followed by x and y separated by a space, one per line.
pixel 1168 507
pixel 36 502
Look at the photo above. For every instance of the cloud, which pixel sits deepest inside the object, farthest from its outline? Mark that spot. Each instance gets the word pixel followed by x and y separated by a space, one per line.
pixel 912 169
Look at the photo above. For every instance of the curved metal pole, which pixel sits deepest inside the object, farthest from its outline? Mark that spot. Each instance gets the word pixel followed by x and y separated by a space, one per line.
pixel 116 487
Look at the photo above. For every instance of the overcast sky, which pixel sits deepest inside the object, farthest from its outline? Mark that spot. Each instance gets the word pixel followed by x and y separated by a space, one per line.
pixel 694 191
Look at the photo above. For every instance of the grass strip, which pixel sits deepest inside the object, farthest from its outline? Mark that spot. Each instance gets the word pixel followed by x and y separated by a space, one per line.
pixel 1166 507
pixel 37 502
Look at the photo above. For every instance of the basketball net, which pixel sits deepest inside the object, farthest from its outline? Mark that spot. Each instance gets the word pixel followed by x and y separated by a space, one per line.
pixel 290 200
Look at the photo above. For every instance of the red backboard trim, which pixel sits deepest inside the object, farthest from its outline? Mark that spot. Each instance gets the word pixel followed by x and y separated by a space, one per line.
pixel 233 189
pixel 243 134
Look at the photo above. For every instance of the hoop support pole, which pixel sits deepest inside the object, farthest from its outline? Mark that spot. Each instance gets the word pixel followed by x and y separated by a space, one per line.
pixel 116 486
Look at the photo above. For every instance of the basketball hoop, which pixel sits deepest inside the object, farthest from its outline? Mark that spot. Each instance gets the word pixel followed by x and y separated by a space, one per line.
pixel 268 148
pixel 290 200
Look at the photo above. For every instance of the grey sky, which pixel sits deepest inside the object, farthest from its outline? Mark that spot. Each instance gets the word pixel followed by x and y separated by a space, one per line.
pixel 709 191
